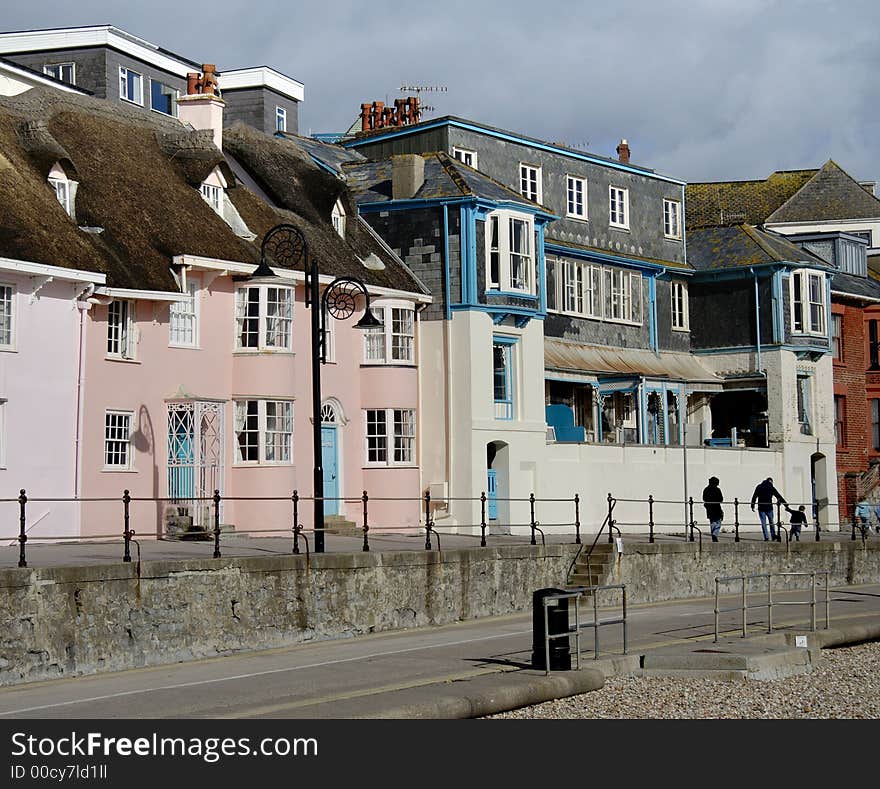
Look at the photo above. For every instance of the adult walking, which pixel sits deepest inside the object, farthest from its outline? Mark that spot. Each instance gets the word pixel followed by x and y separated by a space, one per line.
pixel 764 495
pixel 712 498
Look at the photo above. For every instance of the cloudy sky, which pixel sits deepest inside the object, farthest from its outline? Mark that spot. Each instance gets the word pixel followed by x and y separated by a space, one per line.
pixel 702 89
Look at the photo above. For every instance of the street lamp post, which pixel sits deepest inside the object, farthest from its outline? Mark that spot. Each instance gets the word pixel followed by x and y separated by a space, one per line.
pixel 285 245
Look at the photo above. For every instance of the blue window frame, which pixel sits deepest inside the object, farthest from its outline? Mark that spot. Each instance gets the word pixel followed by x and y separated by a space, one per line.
pixel 502 376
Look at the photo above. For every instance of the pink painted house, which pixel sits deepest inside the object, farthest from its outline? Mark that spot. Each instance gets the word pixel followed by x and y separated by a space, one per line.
pixel 187 374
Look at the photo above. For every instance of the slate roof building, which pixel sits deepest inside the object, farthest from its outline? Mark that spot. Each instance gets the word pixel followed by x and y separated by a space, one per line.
pixel 140 355
pixel 834 218
pixel 110 63
pixel 562 323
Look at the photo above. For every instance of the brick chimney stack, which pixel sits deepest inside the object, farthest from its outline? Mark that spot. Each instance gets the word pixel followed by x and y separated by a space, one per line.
pixel 623 152
pixel 202 106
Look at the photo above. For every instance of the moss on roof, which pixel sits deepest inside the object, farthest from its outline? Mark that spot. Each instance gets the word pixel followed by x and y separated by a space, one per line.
pixel 741 202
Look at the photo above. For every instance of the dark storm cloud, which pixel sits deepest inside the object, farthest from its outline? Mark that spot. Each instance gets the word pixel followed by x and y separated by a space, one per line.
pixel 702 89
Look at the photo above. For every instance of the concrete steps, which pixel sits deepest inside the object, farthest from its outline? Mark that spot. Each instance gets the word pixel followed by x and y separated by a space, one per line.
pixel 592 570
pixel 338 524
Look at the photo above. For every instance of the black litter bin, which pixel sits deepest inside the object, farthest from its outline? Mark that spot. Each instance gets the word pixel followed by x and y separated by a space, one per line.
pixel 557 622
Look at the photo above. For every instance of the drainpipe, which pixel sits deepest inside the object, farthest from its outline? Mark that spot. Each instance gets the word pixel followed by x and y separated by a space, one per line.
pixel 83 306
pixel 757 320
pixel 758 343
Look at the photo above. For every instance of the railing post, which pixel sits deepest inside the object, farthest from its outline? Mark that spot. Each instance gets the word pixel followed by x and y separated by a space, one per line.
pixel 816 519
pixel 532 516
pixel 736 519
pixel 778 521
pixel 813 602
pixel 650 518
pixel 854 525
pixel 366 498
pixel 216 524
pixel 716 610
pixel 22 522
pixel 744 607
pixel 691 514
pixel 483 519
pixel 126 534
pixel 610 519
pixel 295 499
pixel 427 520
pixel 577 519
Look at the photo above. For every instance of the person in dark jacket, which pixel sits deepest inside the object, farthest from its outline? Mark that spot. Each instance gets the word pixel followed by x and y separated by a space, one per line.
pixel 798 520
pixel 712 498
pixel 763 495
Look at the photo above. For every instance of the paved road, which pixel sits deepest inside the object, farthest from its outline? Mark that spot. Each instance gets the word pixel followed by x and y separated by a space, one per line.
pixel 353 677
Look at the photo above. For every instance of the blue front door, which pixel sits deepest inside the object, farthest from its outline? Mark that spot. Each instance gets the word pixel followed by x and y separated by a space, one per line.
pixel 329 461
pixel 492 495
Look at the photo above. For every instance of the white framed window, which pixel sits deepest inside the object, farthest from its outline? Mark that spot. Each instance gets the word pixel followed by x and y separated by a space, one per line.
pixel 390 436
pixel 131 86
pixel 121 329
pixel 530 182
pixel 680 313
pixel 66 72
pixel 465 156
pixel 64 192
pixel 804 404
pixel 263 432
pixel 582 289
pixel 622 292
pixel 576 197
pixel 117 440
pixel 183 319
pixel 337 217
pixel 618 215
pixel 280 119
pixel 163 98
pixel 264 318
pixel 329 338
pixel 672 219
pixel 510 252
pixel 213 197
pixel 503 376
pixel 7 316
pixel 395 342
pixel 808 308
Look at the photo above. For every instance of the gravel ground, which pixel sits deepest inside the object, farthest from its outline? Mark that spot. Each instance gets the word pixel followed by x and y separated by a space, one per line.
pixel 846 684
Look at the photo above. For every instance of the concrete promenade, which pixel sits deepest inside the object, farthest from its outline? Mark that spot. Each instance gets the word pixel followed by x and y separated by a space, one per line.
pixel 92 552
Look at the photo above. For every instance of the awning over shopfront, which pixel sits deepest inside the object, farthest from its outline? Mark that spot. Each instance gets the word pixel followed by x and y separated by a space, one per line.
pixel 579 362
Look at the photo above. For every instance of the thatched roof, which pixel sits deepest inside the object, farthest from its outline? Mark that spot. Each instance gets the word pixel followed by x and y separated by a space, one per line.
pixel 137 175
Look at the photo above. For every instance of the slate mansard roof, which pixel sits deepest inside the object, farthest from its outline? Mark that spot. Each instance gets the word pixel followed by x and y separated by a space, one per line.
pixel 445 178
pixel 138 175
pixel 741 246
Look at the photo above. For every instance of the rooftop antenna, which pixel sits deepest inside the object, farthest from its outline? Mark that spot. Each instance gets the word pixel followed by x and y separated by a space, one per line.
pixel 419 89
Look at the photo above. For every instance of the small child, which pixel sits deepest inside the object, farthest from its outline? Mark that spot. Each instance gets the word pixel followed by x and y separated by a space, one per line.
pixel 798 519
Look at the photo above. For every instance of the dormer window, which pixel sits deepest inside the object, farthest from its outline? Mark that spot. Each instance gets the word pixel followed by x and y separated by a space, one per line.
pixel 213 197
pixel 338 218
pixel 65 189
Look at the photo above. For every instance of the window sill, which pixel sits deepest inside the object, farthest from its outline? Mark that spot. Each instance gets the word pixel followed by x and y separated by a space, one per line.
pixel 621 228
pixel 184 347
pixel 676 239
pixel 391 466
pixel 122 359
pixel 517 294
pixel 263 464
pixel 262 352
pixel 682 329
pixel 577 218
pixel 112 470
pixel 132 101
pixel 160 112
pixel 406 365
pixel 8 349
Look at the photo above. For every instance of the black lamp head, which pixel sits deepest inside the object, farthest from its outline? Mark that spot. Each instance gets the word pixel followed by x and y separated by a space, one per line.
pixel 368 321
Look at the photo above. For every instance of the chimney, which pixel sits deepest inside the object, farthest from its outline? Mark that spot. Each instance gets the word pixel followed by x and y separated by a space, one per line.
pixel 202 106
pixel 407 176
pixel 623 152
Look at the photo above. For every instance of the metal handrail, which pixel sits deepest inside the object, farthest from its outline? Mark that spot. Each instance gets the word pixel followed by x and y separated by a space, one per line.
pixel 577 594
pixel 770 602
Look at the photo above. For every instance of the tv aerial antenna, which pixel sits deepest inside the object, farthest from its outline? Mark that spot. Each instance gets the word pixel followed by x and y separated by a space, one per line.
pixel 419 89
